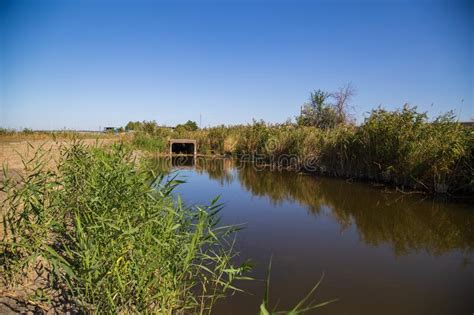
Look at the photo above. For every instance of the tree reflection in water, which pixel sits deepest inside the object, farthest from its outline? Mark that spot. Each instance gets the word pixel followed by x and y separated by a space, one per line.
pixel 407 223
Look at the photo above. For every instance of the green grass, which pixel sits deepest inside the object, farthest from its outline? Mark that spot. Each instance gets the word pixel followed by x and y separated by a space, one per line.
pixel 112 238
pixel 148 142
pixel 303 306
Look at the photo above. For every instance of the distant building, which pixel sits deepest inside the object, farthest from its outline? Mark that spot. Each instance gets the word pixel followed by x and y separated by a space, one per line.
pixel 111 129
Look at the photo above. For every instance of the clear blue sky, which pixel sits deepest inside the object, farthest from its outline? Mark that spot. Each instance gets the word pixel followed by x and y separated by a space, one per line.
pixel 85 64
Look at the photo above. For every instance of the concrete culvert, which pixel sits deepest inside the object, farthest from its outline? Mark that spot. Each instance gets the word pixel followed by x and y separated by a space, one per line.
pixel 182 146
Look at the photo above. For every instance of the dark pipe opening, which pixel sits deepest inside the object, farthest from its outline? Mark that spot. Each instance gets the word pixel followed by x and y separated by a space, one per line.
pixel 182 148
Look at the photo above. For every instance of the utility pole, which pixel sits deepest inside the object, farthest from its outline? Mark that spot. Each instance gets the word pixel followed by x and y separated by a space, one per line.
pixel 200 120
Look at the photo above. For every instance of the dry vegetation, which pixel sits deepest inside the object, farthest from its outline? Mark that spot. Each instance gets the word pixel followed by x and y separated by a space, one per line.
pixel 18 146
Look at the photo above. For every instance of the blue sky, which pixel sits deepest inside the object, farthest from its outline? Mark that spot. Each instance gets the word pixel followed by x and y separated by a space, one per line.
pixel 88 64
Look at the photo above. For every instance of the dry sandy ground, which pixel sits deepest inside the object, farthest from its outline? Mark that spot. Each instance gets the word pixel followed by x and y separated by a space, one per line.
pixel 13 152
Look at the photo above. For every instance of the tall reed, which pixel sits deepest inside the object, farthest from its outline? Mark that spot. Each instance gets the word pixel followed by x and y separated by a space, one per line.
pixel 111 238
pixel 400 147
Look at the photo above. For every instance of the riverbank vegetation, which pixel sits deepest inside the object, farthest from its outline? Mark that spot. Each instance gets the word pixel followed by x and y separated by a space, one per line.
pixel 401 147
pixel 98 233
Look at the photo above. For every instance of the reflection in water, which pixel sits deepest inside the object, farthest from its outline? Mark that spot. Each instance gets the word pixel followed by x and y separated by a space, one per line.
pixel 219 169
pixel 405 222
pixel 383 252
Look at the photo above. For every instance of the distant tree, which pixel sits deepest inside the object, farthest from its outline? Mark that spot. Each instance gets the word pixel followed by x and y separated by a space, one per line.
pixel 133 125
pixel 318 112
pixel 145 126
pixel 191 125
pixel 321 113
pixel 5 131
pixel 188 126
pixel 149 127
pixel 342 98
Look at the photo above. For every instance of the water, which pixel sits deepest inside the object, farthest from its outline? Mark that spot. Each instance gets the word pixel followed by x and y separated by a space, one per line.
pixel 382 252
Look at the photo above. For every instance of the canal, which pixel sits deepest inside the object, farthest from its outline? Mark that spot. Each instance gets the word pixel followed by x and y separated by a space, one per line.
pixel 382 252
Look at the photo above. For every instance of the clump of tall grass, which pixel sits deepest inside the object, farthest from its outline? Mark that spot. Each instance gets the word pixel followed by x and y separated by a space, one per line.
pixel 112 239
pixel 303 306
pixel 404 148
pixel 148 142
pixel 400 147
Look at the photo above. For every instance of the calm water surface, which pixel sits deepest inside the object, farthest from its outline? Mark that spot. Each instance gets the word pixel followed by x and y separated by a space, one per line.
pixel 382 252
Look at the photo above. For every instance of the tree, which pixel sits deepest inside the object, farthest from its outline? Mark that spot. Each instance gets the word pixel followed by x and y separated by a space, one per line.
pixel 342 98
pixel 149 127
pixel 188 126
pixel 321 113
pixel 318 112
pixel 132 125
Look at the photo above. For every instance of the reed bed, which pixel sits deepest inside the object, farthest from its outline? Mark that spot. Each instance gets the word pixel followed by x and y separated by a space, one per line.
pixel 107 236
pixel 401 148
